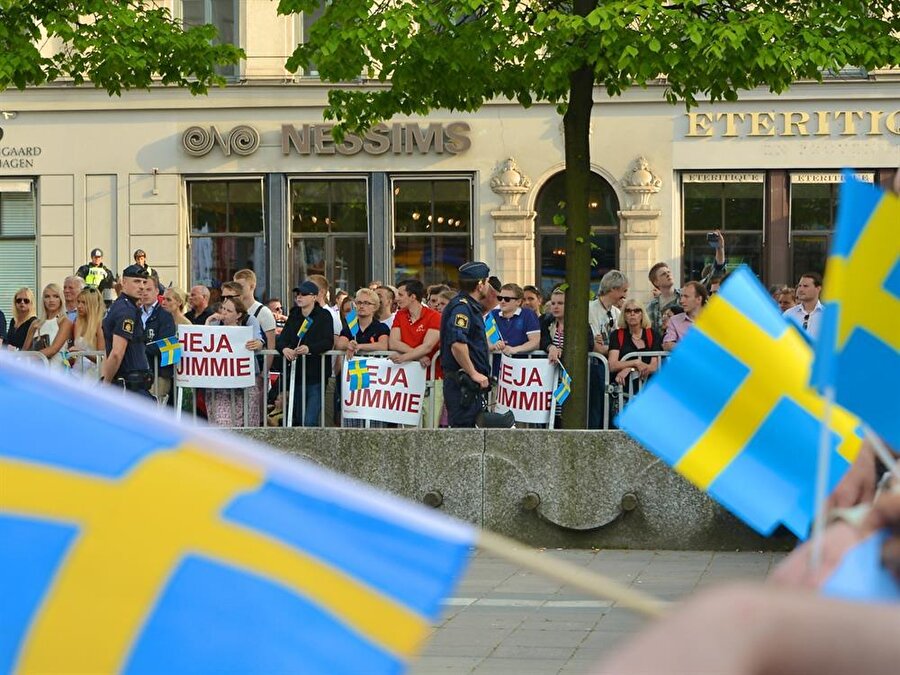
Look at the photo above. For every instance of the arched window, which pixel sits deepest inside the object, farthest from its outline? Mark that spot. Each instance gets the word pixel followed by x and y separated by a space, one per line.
pixel 550 239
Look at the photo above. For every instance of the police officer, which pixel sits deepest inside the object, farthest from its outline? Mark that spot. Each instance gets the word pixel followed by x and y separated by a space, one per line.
pixel 464 347
pixel 96 274
pixel 126 358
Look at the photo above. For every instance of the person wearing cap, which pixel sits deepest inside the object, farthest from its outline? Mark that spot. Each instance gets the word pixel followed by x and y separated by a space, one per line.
pixel 95 273
pixel 464 348
pixel 491 301
pixel 307 332
pixel 123 332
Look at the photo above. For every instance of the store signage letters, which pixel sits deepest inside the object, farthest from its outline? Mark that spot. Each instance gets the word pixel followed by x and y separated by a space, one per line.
pixel 793 123
pixel 18 156
pixel 399 138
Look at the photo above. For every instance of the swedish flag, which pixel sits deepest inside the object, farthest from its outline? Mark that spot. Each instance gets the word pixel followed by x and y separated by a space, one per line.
pixel 564 388
pixel 491 329
pixel 862 306
pixel 358 372
pixel 304 327
pixel 169 351
pixel 734 413
pixel 353 322
pixel 177 550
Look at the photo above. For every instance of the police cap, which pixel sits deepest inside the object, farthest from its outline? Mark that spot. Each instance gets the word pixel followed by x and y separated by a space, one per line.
pixel 136 272
pixel 474 270
pixel 97 253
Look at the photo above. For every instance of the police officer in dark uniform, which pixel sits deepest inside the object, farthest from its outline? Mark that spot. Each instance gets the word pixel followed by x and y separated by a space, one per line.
pixel 126 358
pixel 464 347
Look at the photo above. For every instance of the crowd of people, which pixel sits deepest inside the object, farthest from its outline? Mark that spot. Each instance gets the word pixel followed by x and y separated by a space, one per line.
pixel 77 323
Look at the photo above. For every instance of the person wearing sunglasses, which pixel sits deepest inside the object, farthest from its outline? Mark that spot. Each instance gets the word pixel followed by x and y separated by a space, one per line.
pixel 634 334
pixel 50 334
pixel 520 331
pixel 23 315
pixel 807 313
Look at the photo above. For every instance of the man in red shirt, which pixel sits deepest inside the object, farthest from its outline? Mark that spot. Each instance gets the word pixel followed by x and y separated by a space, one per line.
pixel 415 334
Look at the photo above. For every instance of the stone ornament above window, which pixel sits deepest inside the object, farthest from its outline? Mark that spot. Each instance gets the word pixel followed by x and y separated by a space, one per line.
pixel 640 183
pixel 510 183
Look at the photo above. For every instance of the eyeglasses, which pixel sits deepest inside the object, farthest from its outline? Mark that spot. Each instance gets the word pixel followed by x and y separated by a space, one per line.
pixel 277 309
pixel 24 301
pixel 507 298
pixel 228 297
pixel 633 310
pixel 805 321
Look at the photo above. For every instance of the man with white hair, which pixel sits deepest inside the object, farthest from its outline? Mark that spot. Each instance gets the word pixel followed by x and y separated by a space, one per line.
pixel 199 302
pixel 71 288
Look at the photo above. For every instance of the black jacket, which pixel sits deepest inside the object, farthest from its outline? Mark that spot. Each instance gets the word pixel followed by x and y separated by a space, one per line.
pixel 319 338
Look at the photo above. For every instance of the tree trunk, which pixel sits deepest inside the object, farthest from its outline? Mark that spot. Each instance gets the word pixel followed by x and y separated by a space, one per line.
pixel 576 124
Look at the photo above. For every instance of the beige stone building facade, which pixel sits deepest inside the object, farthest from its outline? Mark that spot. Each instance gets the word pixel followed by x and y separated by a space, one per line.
pixel 250 176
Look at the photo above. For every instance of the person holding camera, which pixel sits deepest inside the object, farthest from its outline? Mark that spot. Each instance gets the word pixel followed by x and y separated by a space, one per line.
pixel 123 332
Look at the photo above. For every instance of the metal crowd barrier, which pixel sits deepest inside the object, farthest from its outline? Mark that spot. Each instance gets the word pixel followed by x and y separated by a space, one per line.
pixel 634 382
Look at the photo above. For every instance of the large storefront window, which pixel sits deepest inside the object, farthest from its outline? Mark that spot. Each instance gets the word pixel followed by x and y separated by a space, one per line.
pixel 731 202
pixel 227 231
pixel 223 14
pixel 432 227
pixel 814 197
pixel 551 238
pixel 18 266
pixel 329 229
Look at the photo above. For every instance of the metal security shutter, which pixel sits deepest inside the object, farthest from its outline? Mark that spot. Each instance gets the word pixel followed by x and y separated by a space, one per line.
pixel 18 253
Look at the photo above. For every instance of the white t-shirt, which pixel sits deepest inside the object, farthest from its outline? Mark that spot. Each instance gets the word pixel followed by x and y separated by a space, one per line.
pixel 265 317
pixel 335 320
pixel 389 322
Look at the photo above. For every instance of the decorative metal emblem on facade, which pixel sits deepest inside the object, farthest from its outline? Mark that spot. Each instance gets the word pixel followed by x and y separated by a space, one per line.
pixel 242 140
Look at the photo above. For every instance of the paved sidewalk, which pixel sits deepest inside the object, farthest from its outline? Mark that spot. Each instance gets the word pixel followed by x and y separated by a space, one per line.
pixel 503 619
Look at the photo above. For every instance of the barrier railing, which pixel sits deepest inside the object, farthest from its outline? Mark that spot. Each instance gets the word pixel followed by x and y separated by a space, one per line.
pixel 634 383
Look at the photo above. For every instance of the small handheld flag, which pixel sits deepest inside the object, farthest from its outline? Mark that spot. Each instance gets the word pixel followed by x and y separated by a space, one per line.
pixel 110 561
pixel 169 351
pixel 304 327
pixel 358 372
pixel 564 388
pixel 733 411
pixel 862 303
pixel 353 322
pixel 492 330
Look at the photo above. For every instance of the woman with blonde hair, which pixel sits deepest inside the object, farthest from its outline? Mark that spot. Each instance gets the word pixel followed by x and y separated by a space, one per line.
pixel 174 301
pixel 87 334
pixel 633 335
pixel 52 333
pixel 23 316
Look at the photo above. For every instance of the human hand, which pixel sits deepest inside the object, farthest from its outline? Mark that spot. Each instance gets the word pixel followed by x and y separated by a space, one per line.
pixel 425 361
pixel 858 484
pixel 254 345
pixel 481 380
pixel 885 514
pixel 553 354
pixel 289 354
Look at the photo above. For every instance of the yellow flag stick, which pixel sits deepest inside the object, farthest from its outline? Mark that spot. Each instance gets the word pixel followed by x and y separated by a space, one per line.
pixel 597 585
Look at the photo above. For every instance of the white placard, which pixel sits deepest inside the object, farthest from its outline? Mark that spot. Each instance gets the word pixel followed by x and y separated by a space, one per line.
pixel 215 357
pixel 395 392
pixel 525 386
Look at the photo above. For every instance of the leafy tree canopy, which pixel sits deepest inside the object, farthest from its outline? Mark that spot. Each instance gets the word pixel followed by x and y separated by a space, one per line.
pixel 115 44
pixel 458 54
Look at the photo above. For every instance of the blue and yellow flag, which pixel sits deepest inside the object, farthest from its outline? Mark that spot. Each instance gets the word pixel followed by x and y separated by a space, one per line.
pixel 176 549
pixel 564 388
pixel 858 350
pixel 358 372
pixel 353 322
pixel 733 411
pixel 304 327
pixel 169 351
pixel 491 329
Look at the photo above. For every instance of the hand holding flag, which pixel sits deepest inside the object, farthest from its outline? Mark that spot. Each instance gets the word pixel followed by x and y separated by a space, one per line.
pixel 304 328
pixel 564 388
pixel 353 322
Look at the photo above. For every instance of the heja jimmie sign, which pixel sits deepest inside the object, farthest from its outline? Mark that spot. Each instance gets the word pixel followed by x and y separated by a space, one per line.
pixel 394 394
pixel 215 357
pixel 525 386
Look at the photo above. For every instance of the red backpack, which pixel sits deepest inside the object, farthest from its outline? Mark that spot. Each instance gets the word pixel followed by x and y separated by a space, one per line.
pixel 648 337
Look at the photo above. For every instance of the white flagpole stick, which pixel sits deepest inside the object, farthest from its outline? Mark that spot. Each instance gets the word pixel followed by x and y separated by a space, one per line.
pixel 881 450
pixel 595 584
pixel 823 466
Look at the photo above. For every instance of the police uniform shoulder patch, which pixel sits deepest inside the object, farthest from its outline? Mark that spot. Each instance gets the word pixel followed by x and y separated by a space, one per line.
pixel 128 326
pixel 461 321
pixel 464 301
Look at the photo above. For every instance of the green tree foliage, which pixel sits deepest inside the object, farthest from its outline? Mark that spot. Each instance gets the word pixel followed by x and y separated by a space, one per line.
pixel 114 44
pixel 459 54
